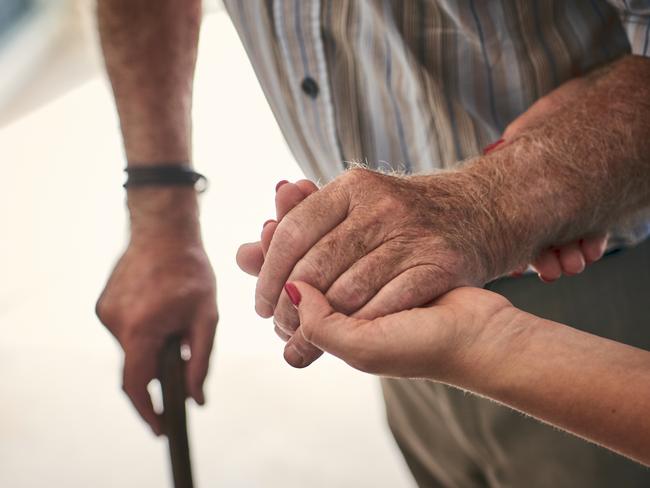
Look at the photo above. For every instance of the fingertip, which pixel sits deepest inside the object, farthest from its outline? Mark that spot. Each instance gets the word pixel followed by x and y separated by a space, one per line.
pixel 286 198
pixel 263 308
pixel 593 248
pixel 293 357
pixel 267 236
pixel 548 266
pixel 194 386
pixel 250 258
pixel 280 184
pixel 300 353
pixel 307 187
pixel 199 398
pixel 572 259
pixel 546 279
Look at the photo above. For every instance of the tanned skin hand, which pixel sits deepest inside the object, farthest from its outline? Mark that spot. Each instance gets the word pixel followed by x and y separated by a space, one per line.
pixel 377 244
pixel 163 284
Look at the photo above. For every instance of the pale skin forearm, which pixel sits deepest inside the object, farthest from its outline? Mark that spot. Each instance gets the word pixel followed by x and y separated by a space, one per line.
pixel 592 387
pixel 576 172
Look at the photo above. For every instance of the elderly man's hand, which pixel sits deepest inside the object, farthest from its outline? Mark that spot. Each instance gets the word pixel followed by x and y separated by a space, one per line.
pixel 162 286
pixel 378 244
pixel 568 259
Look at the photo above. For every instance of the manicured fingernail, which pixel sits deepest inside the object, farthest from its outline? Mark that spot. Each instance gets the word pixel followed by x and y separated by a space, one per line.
pixel 293 293
pixel 492 147
pixel 267 223
pixel 280 183
pixel 293 356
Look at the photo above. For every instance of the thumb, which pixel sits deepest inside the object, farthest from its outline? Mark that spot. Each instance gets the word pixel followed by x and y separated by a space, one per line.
pixel 321 325
pixel 250 257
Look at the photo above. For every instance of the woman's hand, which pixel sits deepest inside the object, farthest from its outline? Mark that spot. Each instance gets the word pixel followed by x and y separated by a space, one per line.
pixel 431 342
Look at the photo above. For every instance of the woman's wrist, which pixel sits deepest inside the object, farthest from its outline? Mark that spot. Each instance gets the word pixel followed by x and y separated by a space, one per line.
pixel 496 351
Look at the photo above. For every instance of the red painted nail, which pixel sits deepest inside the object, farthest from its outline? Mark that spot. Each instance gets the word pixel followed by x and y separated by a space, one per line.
pixel 293 293
pixel 492 147
pixel 280 183
pixel 267 223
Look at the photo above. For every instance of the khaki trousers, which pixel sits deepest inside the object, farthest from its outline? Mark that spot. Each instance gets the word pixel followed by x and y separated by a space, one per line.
pixel 455 439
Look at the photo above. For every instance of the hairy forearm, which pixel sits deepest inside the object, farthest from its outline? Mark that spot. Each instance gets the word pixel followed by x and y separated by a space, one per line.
pixel 593 387
pixel 150 52
pixel 585 167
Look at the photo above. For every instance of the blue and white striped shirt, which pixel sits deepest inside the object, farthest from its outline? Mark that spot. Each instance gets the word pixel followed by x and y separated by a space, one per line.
pixel 420 85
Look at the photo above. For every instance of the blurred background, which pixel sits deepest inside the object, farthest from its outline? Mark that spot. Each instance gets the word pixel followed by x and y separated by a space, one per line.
pixel 63 419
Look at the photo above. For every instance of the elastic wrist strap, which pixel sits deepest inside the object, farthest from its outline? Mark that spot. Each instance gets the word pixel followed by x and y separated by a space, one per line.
pixel 165 175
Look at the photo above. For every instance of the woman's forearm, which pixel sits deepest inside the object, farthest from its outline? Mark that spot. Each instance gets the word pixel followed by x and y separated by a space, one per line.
pixel 595 388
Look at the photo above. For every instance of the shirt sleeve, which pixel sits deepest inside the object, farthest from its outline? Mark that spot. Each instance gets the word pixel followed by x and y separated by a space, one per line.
pixel 635 16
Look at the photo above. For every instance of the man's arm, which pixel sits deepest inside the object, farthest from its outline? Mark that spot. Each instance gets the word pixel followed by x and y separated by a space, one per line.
pixel 577 171
pixel 474 339
pixel 163 284
pixel 378 244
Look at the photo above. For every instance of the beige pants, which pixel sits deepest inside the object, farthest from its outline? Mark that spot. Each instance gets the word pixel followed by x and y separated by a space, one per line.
pixel 451 438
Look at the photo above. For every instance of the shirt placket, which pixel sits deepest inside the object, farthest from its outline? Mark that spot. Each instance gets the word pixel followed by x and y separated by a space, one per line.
pixel 297 25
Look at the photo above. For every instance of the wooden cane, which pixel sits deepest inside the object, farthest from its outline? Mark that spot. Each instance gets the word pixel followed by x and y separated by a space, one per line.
pixel 172 381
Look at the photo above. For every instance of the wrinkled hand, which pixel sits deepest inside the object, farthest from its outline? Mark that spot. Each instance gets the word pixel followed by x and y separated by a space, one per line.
pixel 569 259
pixel 362 235
pixel 377 244
pixel 159 289
pixel 418 343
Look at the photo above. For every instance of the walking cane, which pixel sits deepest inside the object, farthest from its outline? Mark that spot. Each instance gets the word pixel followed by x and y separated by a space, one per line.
pixel 174 416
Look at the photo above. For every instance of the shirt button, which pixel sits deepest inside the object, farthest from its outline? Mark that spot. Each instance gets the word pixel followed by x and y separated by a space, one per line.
pixel 310 87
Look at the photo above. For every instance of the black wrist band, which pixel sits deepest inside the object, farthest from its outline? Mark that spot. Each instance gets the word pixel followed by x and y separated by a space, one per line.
pixel 165 175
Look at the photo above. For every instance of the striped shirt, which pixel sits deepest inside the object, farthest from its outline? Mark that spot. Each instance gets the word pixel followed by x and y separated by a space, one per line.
pixel 419 85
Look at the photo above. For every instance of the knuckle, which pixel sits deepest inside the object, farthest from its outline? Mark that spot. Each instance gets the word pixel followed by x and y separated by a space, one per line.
pixel 102 310
pixel 313 271
pixel 350 296
pixel 288 229
pixel 212 318
pixel 356 178
pixel 353 174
